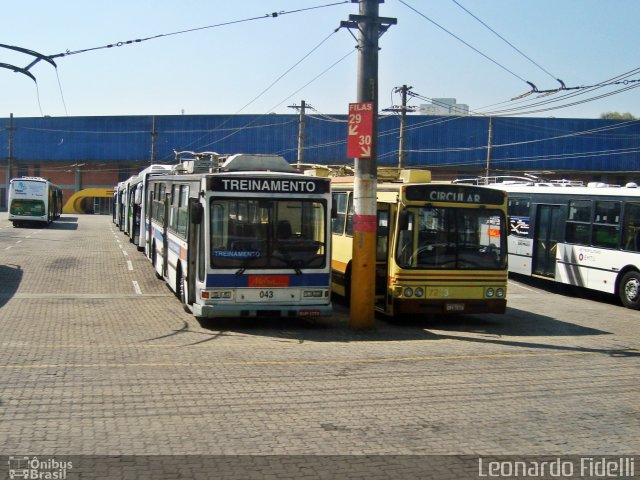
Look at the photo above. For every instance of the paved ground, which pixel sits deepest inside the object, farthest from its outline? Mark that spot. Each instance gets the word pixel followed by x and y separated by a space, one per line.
pixel 97 357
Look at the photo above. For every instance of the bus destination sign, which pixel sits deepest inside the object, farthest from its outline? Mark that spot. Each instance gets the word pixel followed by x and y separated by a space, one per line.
pixel 454 194
pixel 264 185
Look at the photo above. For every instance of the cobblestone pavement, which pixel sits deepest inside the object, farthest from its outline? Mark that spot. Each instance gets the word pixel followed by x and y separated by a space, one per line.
pixel 97 357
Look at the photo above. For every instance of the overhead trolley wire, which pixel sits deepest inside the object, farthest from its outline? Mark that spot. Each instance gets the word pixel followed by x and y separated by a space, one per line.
pixel 268 88
pixel 49 58
pixel 509 43
pixel 533 87
pixel 285 99
pixel 195 29
pixel 465 43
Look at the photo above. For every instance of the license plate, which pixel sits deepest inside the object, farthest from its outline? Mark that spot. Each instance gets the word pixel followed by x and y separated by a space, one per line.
pixel 454 307
pixel 268 295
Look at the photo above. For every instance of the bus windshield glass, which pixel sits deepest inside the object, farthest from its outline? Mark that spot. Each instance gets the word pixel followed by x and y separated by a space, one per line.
pixel 452 238
pixel 274 233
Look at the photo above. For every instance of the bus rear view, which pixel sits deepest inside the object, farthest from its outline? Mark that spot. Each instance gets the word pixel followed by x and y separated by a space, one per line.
pixel 33 199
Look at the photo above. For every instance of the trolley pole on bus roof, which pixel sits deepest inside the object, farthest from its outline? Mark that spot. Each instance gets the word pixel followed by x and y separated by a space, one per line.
pixel 362 146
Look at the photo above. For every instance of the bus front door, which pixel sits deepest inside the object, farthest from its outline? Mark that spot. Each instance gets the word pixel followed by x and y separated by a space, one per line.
pixel 545 246
pixel 165 236
pixel 382 256
pixel 195 243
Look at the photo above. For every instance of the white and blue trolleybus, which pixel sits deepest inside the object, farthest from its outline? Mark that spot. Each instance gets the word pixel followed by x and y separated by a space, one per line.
pixel 249 238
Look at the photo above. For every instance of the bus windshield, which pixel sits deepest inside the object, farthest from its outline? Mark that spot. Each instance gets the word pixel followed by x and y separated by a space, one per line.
pixel 451 238
pixel 274 233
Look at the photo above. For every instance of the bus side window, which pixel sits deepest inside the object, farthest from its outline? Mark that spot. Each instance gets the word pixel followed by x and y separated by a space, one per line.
pixel 349 228
pixel 340 205
pixel 173 208
pixel 631 227
pixel 183 212
pixel 606 225
pixel 578 225
pixel 519 214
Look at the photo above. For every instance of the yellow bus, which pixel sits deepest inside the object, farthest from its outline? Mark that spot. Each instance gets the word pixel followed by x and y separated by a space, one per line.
pixel 441 248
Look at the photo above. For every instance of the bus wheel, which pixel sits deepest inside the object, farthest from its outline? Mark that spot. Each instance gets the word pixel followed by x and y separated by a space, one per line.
pixel 347 285
pixel 154 257
pixel 180 291
pixel 630 290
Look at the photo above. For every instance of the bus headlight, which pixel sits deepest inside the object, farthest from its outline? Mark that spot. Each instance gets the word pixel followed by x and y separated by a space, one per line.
pixel 500 293
pixel 408 292
pixel 489 293
pixel 419 292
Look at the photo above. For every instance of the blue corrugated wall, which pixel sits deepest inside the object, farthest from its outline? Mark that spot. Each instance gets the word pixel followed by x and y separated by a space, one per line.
pixel 518 143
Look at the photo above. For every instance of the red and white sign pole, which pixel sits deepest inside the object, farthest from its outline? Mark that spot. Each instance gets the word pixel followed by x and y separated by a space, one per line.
pixel 362 146
pixel 363 118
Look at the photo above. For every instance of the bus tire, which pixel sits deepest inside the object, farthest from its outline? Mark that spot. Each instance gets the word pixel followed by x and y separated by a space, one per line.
pixel 629 290
pixel 154 257
pixel 180 290
pixel 347 285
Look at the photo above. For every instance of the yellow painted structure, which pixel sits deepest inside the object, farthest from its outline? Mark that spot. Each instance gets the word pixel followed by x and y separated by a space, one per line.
pixel 75 202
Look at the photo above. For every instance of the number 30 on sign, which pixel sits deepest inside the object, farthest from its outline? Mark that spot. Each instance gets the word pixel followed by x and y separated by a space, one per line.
pixel 359 137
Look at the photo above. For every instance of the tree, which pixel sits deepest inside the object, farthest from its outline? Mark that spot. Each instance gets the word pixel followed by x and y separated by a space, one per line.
pixel 617 116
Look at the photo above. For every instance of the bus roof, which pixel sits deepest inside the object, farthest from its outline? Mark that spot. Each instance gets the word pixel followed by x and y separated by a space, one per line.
pixel 547 189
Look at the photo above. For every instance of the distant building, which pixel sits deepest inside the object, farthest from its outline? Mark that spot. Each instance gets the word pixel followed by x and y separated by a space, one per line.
pixel 444 106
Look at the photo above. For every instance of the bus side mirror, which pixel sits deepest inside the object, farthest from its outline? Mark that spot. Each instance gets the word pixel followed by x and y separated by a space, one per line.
pixel 195 213
pixel 403 220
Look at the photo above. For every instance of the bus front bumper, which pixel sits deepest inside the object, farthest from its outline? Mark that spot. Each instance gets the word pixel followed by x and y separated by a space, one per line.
pixel 452 306
pixel 253 311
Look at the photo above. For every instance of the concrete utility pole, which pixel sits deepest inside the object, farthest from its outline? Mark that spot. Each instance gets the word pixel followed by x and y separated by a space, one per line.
pixel 403 121
pixel 10 150
pixel 363 265
pixel 301 124
pixel 402 109
pixel 489 145
pixel 154 138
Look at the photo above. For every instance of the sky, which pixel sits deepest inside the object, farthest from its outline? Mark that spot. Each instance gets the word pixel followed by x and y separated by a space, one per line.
pixel 268 64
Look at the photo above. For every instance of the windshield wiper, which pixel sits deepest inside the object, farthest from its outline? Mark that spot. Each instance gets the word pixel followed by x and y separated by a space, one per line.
pixel 244 265
pixel 295 264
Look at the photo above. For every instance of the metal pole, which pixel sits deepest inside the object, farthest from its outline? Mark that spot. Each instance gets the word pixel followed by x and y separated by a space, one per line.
pixel 403 120
pixel 489 144
pixel 363 266
pixel 9 158
pixel 154 137
pixel 301 123
pixel 10 150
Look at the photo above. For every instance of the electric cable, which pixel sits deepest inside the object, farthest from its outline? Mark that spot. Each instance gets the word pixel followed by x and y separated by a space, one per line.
pixel 509 43
pixel 465 43
pixel 195 29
